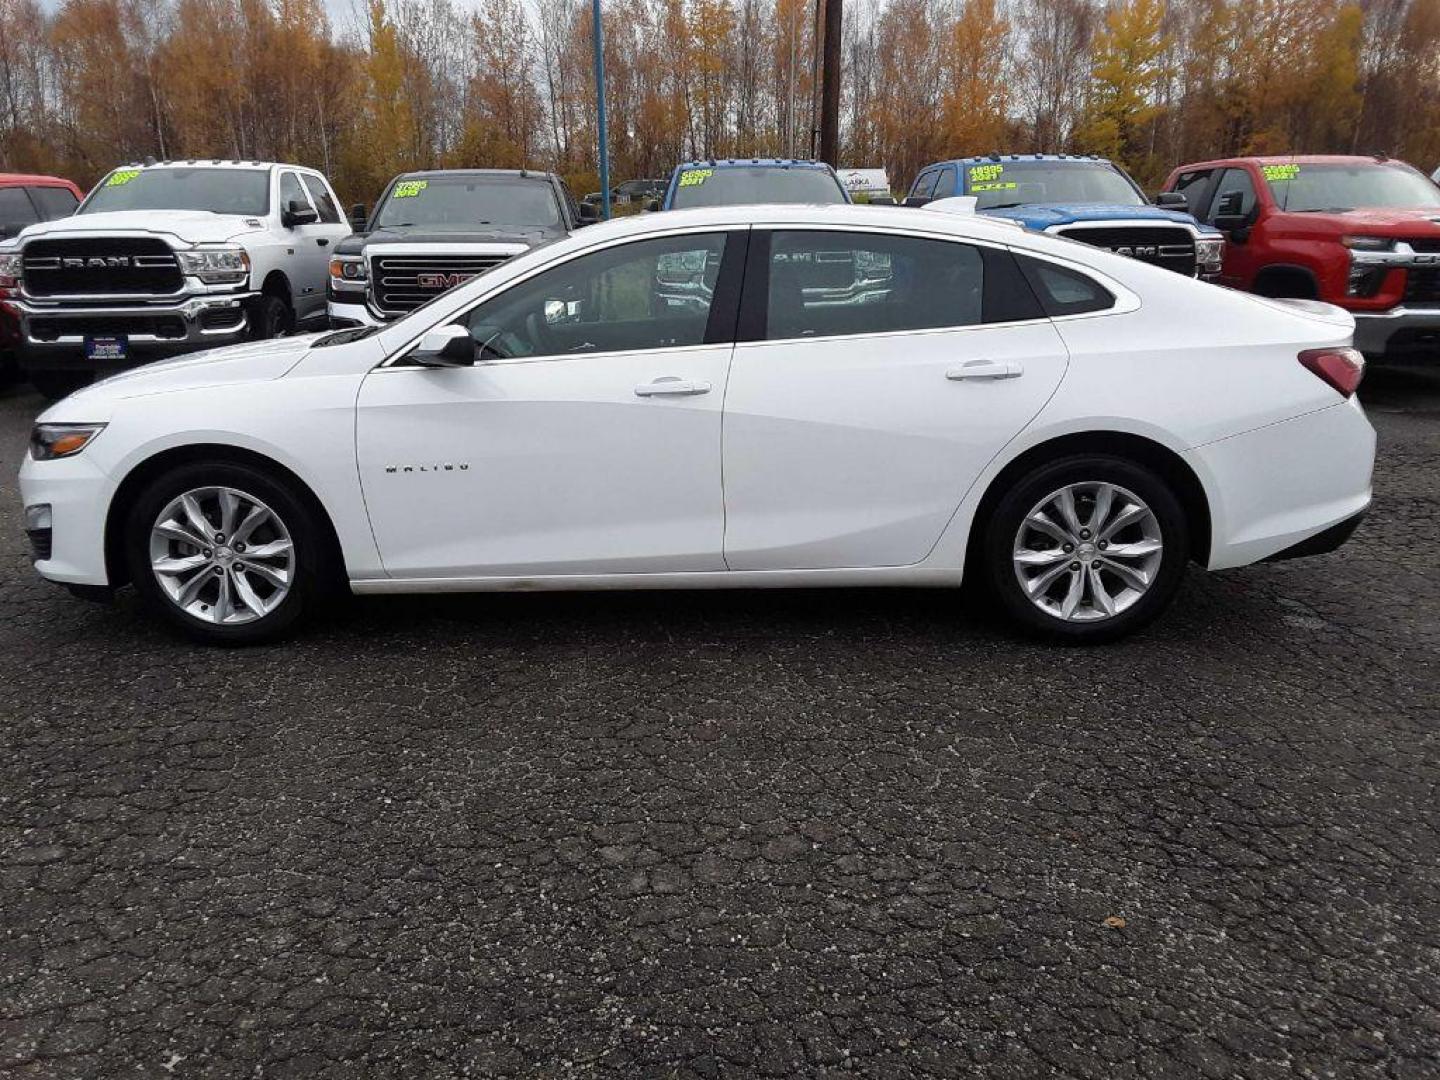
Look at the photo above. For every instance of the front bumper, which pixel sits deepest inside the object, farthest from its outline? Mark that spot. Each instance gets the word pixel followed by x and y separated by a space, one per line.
pixel 69 546
pixel 1399 331
pixel 346 313
pixel 52 335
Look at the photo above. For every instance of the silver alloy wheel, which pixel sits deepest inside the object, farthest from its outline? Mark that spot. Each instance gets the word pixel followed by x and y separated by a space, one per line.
pixel 1088 551
pixel 222 555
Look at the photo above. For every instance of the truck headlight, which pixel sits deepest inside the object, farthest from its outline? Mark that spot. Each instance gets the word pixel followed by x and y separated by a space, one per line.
pixel 1210 254
pixel 1368 243
pixel 10 268
pixel 216 266
pixel 347 273
pixel 51 441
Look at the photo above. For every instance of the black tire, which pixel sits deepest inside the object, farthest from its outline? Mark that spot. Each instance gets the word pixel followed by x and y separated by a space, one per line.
pixel 271 317
pixel 1003 528
pixel 306 578
pixel 54 385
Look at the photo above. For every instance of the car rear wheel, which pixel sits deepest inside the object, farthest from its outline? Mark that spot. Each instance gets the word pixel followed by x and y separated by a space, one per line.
pixel 1087 548
pixel 224 552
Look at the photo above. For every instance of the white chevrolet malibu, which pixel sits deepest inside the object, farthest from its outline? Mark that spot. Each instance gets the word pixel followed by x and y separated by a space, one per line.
pixel 732 397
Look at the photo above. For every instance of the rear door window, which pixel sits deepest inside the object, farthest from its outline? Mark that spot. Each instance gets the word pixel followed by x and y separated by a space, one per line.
pixel 840 283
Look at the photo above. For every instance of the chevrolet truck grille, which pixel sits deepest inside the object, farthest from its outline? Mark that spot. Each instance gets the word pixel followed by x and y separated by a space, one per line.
pixel 1422 286
pixel 1172 248
pixel 101 266
pixel 401 283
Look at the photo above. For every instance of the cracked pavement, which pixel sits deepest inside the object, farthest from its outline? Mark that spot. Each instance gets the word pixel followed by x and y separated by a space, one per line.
pixel 734 835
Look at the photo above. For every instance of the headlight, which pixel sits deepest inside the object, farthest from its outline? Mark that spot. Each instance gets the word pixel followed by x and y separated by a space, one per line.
pixel 347 272
pixel 50 441
pixel 1367 243
pixel 1210 253
pixel 216 265
pixel 10 263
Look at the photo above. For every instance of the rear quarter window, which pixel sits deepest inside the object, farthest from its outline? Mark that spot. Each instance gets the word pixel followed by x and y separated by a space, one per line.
pixel 1062 291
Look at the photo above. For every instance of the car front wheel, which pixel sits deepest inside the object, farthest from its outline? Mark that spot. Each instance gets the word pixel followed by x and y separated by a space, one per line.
pixel 1087 548
pixel 224 551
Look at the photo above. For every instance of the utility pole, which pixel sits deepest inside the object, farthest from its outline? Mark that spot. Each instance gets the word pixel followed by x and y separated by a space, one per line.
pixel 600 105
pixel 830 88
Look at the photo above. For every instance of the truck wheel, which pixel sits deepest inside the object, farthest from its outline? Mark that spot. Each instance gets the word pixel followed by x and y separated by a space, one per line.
pixel 54 385
pixel 271 317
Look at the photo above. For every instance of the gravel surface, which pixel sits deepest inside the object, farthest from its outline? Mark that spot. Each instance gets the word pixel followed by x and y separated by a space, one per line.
pixel 748 834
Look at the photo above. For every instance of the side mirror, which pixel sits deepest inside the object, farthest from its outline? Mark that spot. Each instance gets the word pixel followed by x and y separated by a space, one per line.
pixel 589 213
pixel 882 200
pixel 1173 200
pixel 915 200
pixel 358 217
pixel 297 213
pixel 445 347
pixel 1228 216
pixel 653 205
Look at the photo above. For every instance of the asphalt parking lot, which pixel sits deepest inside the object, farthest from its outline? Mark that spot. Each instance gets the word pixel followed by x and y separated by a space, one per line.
pixel 755 834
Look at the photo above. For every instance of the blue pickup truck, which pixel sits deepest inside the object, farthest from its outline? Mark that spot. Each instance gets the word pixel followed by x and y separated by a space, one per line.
pixel 733 181
pixel 1084 198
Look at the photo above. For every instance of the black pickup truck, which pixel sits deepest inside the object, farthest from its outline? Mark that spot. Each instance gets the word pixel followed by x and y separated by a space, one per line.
pixel 432 231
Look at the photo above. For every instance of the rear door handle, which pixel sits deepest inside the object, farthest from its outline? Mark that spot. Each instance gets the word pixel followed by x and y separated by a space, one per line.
pixel 979 370
pixel 323 242
pixel 671 385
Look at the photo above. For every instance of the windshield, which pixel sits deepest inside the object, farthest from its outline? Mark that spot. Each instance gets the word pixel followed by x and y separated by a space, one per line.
pixel 221 191
pixel 1300 187
pixel 736 185
pixel 463 202
pixel 999 184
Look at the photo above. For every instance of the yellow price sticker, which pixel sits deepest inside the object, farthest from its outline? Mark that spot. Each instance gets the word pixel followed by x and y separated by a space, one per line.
pixel 1000 185
pixel 1279 173
pixel 691 177
pixel 408 189
pixel 121 176
pixel 984 174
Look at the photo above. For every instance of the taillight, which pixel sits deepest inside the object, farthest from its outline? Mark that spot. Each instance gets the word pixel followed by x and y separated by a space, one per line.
pixel 1341 368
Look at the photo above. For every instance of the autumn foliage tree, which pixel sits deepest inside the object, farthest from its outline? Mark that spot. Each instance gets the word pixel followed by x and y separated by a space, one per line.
pixel 406 84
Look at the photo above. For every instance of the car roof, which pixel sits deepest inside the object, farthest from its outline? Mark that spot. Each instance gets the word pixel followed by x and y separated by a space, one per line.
pixel 1293 159
pixel 209 163
pixel 975 226
pixel 1003 159
pixel 767 163
pixel 32 180
pixel 524 174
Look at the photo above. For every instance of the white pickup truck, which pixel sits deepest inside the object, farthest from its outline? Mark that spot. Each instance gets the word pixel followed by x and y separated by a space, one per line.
pixel 169 258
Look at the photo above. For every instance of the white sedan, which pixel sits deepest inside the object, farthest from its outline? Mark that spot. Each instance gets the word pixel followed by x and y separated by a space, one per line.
pixel 732 397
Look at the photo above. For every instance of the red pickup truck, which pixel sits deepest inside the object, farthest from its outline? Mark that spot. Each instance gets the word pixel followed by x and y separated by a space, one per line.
pixel 1359 232
pixel 24 200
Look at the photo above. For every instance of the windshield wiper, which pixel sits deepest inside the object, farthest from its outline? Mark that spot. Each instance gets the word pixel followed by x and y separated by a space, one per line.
pixel 1324 210
pixel 1002 206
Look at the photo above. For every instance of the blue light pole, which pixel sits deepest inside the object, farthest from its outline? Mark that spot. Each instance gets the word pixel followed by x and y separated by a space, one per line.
pixel 600 102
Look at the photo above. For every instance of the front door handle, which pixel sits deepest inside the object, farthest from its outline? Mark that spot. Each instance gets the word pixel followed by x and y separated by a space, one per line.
pixel 980 370
pixel 671 385
pixel 323 242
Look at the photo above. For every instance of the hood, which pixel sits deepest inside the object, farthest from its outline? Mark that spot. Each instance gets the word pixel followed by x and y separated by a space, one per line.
pixel 480 234
pixel 1377 221
pixel 257 361
pixel 185 226
pixel 1048 215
